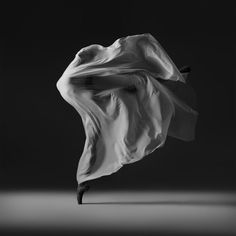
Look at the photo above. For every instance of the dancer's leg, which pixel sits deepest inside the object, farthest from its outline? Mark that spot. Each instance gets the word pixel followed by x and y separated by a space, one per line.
pixel 83 187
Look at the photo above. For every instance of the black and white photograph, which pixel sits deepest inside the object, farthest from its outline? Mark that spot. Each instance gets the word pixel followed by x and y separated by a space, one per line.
pixel 118 118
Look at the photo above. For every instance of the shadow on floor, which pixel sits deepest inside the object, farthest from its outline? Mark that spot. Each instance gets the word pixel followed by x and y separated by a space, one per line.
pixel 192 203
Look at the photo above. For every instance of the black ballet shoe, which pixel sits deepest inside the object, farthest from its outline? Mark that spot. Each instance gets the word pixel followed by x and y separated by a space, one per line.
pixel 185 69
pixel 79 197
pixel 80 192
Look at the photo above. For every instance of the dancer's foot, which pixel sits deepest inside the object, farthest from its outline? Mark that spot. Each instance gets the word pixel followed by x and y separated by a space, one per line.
pixel 80 191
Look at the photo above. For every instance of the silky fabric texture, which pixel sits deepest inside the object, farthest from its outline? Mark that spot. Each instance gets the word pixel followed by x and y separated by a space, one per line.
pixel 126 96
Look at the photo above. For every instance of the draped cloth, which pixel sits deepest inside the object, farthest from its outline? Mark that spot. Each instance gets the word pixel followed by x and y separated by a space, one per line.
pixel 126 96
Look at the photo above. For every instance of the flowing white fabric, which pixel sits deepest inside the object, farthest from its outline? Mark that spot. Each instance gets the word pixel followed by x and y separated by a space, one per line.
pixel 126 108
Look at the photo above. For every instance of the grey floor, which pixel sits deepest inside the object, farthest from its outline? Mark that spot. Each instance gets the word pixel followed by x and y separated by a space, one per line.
pixel 118 213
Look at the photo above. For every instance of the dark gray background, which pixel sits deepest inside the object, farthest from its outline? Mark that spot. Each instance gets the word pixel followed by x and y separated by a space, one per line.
pixel 42 137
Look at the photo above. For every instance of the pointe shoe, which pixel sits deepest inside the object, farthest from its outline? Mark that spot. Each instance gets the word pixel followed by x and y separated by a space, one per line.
pixel 80 192
pixel 79 197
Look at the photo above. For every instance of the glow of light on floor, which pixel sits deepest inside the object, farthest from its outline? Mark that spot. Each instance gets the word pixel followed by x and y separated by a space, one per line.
pixel 149 211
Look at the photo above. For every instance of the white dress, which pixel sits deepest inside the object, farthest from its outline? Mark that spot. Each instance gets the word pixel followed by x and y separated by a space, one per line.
pixel 127 111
